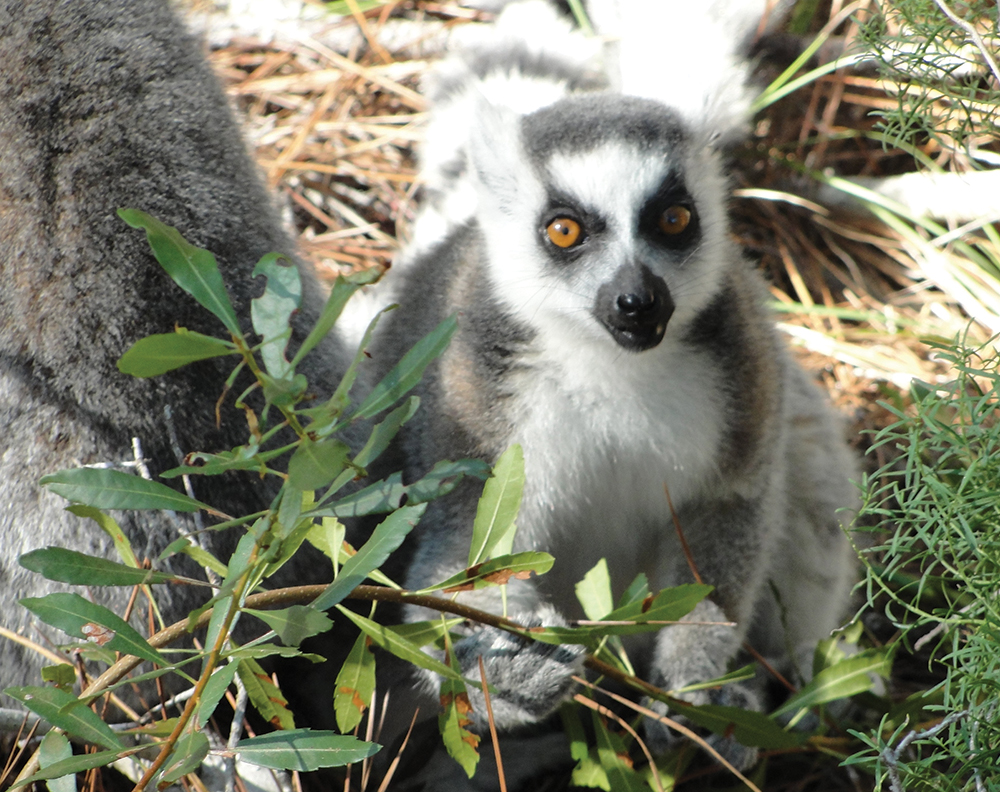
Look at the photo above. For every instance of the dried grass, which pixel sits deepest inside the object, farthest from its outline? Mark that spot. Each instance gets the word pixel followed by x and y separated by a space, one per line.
pixel 335 136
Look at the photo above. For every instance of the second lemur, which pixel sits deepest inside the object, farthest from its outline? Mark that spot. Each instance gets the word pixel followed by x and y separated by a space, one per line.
pixel 609 325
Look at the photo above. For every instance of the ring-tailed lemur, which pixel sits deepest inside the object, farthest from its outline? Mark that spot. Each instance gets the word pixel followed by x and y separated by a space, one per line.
pixel 608 324
pixel 105 105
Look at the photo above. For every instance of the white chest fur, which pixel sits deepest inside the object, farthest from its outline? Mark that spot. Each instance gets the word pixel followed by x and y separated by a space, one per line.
pixel 603 431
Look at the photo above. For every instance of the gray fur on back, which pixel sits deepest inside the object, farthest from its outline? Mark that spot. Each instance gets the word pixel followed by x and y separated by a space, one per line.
pixel 104 105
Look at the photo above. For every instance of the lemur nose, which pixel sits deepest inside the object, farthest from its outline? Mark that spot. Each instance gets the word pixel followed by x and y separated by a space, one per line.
pixel 634 304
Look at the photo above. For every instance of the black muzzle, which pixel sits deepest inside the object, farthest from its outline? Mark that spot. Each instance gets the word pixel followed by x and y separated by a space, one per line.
pixel 634 306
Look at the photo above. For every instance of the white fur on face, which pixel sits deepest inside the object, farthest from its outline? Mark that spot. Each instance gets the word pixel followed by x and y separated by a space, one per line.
pixel 615 181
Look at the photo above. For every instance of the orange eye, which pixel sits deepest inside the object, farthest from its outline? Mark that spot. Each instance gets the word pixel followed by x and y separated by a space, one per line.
pixel 674 220
pixel 564 232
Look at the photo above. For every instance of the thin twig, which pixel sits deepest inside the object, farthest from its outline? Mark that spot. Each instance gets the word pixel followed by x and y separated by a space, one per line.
pixel 22 741
pixel 366 31
pixel 607 713
pixel 185 717
pixel 502 780
pixel 676 726
pixel 369 732
pixel 974 35
pixel 890 756
pixel 680 535
pixel 235 732
pixel 395 761
pixel 411 97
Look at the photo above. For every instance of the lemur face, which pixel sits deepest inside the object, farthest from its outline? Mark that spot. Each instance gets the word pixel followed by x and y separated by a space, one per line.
pixel 603 215
pixel 624 241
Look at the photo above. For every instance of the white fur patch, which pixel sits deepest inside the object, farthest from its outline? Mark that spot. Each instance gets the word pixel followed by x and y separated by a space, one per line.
pixel 700 64
pixel 603 432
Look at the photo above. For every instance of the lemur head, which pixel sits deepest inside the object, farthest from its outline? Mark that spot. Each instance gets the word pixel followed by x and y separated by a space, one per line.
pixel 602 215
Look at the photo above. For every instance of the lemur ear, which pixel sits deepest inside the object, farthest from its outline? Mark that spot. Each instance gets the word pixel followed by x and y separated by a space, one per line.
pixel 496 155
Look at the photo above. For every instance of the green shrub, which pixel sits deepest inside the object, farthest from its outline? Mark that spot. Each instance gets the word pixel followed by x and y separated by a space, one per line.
pixel 936 574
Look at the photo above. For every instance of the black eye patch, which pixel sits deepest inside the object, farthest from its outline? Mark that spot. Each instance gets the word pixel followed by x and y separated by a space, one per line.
pixel 669 218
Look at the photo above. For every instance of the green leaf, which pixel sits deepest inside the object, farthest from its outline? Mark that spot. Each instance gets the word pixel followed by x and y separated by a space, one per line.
pixel 588 771
pixel 284 392
pixel 259 651
pixel 670 604
pixel 850 676
pixel 65 711
pixel 637 591
pixel 188 754
pixel 157 354
pixel 62 675
pixel 594 591
pixel 315 464
pixel 327 536
pixel 290 510
pixel 202 557
pixel 391 640
pixel 112 489
pixel 289 545
pixel 384 540
pixel 264 694
pixel 272 311
pixel 156 673
pixel 56 748
pixel 424 632
pixel 343 8
pixel 214 690
pixel 750 728
pixel 644 616
pixel 443 478
pixel 828 652
pixel 461 743
pixel 496 572
pixel 192 268
pixel 386 495
pixel 338 402
pixel 499 504
pixel 614 759
pixel 110 527
pixel 408 371
pixel 293 625
pixel 383 432
pixel 69 566
pixel 156 728
pixel 304 750
pixel 382 496
pixel 218 619
pixel 82 618
pixel 355 685
pixel 341 292
pixel 76 764
pixel 254 541
pixel 245 457
pixel 739 675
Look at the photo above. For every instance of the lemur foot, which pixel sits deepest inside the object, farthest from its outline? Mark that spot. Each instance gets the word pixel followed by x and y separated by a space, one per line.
pixel 528 680
pixel 659 737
